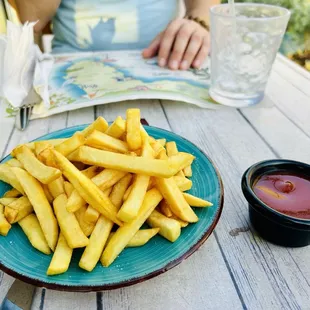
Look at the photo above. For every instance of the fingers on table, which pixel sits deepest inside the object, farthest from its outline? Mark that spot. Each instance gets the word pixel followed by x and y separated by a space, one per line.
pixel 192 50
pixel 202 53
pixel 153 48
pixel 183 44
pixel 167 41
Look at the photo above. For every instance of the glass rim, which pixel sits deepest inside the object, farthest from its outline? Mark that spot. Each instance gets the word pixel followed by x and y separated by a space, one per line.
pixel 285 11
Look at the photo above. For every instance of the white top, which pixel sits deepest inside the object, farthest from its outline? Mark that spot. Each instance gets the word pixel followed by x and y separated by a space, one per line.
pixel 231 270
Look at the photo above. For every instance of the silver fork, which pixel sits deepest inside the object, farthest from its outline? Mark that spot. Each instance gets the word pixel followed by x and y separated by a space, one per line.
pixel 23 114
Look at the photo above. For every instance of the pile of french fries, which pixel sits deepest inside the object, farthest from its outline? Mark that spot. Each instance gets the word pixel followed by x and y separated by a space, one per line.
pixel 95 190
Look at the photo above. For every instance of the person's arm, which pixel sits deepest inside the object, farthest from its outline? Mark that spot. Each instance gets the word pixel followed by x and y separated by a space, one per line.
pixel 200 8
pixel 184 43
pixel 37 10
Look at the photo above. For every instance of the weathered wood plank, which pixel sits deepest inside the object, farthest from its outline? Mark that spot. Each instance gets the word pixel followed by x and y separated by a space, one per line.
pixel 6 282
pixel 292 100
pixel 21 294
pixel 287 140
pixel 259 269
pixel 198 283
pixel 38 298
pixel 293 73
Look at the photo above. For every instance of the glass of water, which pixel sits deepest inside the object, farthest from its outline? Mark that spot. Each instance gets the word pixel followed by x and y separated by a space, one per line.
pixel 245 39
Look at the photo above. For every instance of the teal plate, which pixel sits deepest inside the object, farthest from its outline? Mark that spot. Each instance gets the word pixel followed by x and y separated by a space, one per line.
pixel 20 260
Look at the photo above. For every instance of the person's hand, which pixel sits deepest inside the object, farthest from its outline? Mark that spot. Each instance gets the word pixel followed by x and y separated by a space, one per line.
pixel 183 44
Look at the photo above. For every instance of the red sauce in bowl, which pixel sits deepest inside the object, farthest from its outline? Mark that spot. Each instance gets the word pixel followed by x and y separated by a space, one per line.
pixel 288 194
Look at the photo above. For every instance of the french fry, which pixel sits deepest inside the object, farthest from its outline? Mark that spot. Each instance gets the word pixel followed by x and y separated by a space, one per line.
pixel 75 202
pixel 171 148
pixel 52 142
pixel 144 134
pixel 20 203
pixel 125 233
pixel 7 201
pixel 5 226
pixel 70 144
pixel 161 141
pixel 99 124
pixel 168 227
pixel 12 193
pixel 126 195
pixel 165 209
pixel 119 190
pixel 46 158
pixel 152 183
pixel 14 163
pixel 23 212
pixel 47 193
pixel 101 140
pixel 90 172
pixel 151 139
pixel 188 171
pixel 162 154
pixel 140 238
pixel 41 146
pixel 38 170
pixel 10 214
pixel 133 137
pixel 86 227
pixel 61 258
pixel 57 188
pixel 180 161
pixel 68 224
pixel 68 188
pixel 91 215
pixel 139 165
pixel 32 229
pixel 175 199
pixel 108 191
pixel 74 157
pixel 87 189
pixel 157 147
pixel 18 209
pixel 131 206
pixel 117 129
pixel 196 202
pixel 183 184
pixel 41 206
pixel 182 223
pixel 107 178
pixel 7 175
pixel 97 241
pixel 180 174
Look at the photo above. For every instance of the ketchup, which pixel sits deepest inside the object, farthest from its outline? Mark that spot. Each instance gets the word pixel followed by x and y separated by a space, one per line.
pixel 288 194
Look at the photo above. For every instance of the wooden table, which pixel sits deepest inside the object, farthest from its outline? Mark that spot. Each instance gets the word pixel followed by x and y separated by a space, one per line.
pixel 235 268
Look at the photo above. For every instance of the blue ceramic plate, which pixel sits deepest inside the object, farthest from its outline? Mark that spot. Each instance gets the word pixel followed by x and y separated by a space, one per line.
pixel 19 259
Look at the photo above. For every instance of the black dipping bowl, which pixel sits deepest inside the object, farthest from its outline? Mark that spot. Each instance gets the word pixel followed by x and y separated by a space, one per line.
pixel 272 225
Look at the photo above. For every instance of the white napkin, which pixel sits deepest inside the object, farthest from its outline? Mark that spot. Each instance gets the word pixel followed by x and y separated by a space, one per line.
pixel 24 69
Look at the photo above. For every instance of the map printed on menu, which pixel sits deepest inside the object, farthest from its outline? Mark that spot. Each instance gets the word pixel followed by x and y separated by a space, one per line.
pixel 88 79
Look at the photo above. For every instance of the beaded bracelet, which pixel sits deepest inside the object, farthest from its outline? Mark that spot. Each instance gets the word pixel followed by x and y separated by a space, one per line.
pixel 199 21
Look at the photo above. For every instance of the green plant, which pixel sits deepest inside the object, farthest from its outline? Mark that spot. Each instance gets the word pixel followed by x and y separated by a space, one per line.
pixel 299 24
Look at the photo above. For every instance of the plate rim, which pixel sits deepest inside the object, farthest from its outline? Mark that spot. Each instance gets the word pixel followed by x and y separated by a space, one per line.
pixel 170 265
